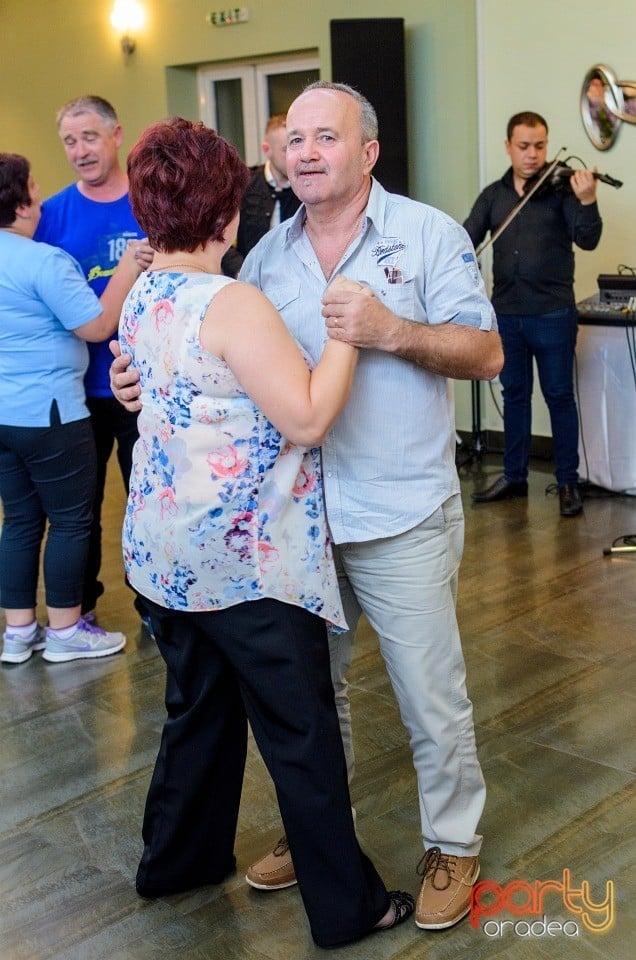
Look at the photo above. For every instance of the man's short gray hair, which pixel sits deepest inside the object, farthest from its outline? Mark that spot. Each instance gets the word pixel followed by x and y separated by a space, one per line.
pixel 368 116
pixel 94 104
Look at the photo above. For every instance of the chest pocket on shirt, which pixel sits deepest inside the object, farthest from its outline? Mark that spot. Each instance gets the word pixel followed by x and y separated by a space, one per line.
pixel 283 294
pixel 398 297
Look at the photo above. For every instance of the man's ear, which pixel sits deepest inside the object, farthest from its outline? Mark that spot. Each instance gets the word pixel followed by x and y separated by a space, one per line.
pixel 370 155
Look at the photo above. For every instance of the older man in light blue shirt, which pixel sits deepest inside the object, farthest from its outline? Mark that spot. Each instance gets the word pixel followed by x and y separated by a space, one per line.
pixel 419 313
pixel 389 460
pixel 391 487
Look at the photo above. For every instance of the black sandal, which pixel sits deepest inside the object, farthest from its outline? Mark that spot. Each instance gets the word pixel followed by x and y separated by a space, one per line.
pixel 403 906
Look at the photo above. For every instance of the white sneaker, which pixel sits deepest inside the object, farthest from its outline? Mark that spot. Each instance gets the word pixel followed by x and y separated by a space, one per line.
pixel 87 641
pixel 16 650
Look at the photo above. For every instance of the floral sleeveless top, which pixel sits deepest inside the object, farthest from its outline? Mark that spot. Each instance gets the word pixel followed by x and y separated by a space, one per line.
pixel 222 509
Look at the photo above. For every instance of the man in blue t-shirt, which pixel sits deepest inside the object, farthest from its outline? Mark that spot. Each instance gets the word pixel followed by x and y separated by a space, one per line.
pixel 92 220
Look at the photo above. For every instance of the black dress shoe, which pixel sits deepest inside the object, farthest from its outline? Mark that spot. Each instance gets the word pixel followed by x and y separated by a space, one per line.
pixel 570 503
pixel 501 489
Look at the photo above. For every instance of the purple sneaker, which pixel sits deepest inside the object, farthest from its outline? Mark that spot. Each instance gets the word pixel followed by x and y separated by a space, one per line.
pixel 87 642
pixel 16 650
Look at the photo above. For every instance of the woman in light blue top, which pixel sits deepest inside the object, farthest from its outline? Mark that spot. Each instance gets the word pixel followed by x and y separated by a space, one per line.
pixel 47 451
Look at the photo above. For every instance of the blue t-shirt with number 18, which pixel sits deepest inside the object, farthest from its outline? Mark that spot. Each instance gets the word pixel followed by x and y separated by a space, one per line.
pixel 96 234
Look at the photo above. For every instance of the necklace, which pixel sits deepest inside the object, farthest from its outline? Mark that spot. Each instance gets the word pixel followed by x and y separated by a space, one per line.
pixel 191 266
pixel 329 264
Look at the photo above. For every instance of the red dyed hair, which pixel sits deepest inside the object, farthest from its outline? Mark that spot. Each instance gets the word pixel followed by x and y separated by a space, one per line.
pixel 186 184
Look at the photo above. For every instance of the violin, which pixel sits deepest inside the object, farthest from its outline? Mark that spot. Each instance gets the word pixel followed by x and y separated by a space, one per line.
pixel 554 177
pixel 558 180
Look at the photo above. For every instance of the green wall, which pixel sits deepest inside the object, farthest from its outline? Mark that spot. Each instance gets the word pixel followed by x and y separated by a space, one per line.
pixel 52 50
pixel 531 57
pixel 535 58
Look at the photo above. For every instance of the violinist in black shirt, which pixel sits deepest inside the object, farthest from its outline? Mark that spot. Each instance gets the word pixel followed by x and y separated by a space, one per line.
pixel 533 296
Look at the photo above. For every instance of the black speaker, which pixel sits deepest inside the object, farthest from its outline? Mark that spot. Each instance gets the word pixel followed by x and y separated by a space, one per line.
pixel 369 55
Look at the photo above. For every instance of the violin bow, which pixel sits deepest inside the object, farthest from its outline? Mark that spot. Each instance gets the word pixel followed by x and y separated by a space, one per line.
pixel 515 210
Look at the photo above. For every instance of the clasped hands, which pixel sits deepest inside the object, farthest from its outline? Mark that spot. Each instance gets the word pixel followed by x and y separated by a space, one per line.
pixel 354 314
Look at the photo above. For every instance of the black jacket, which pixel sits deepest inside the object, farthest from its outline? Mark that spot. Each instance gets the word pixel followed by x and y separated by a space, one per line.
pixel 256 216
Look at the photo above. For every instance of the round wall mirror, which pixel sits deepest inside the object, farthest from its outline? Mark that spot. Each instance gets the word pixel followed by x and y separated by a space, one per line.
pixel 622 105
pixel 600 120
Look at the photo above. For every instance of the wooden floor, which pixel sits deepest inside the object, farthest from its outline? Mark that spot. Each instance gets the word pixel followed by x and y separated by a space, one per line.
pixel 548 629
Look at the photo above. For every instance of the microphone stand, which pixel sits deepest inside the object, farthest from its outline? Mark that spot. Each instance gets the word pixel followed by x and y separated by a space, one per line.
pixel 626 548
pixel 477 447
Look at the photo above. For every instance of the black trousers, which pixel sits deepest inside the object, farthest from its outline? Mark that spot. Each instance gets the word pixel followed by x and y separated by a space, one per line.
pixel 46 473
pixel 110 423
pixel 268 662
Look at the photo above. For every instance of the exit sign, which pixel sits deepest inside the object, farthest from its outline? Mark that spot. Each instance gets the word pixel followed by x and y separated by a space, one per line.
pixel 224 18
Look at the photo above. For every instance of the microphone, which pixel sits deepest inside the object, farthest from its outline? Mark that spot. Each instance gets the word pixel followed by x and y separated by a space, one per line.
pixel 564 173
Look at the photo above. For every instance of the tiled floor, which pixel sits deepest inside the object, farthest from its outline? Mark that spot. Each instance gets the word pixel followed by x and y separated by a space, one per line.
pixel 548 628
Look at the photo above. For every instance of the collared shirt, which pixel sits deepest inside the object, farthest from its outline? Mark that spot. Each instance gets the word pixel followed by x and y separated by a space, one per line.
pixel 533 260
pixel 389 461
pixel 277 188
pixel 261 209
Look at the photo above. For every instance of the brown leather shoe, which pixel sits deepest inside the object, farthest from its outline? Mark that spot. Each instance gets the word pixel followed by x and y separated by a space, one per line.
pixel 275 871
pixel 570 503
pixel 447 881
pixel 501 489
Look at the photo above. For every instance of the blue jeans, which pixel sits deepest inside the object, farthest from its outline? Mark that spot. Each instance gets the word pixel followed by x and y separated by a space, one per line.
pixel 46 473
pixel 551 339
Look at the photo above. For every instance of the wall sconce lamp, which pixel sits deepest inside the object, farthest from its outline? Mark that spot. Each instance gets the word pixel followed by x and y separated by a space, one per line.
pixel 127 17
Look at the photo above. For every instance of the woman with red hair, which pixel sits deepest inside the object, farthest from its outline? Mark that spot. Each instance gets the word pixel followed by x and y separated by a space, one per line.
pixel 225 536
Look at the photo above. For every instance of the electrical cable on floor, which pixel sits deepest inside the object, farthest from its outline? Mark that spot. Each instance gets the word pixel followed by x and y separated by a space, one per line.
pixel 623 544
